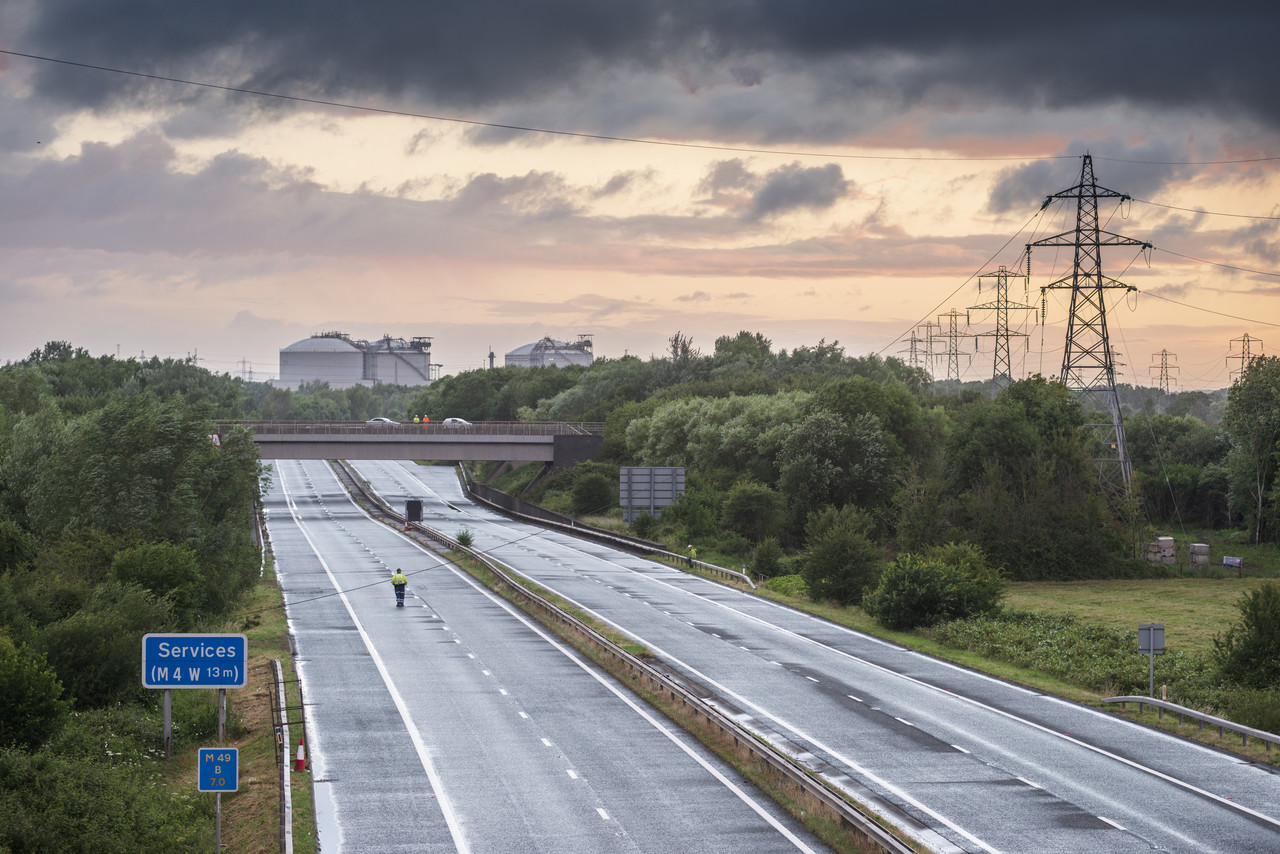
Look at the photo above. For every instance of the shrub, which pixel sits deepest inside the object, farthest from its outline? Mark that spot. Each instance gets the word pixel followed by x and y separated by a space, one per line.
pixel 32 708
pixel 768 559
pixel 464 538
pixel 165 570
pixel 1100 658
pixel 54 804
pixel 644 526
pixel 951 582
pixel 1259 709
pixel 592 493
pixel 95 650
pixel 754 511
pixel 842 563
pixel 1249 653
pixel 788 585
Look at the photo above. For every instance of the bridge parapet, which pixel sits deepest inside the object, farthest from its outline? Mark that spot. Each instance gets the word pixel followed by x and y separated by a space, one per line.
pixel 555 441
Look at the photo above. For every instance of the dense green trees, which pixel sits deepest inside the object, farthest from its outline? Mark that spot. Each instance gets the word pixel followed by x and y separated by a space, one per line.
pixel 118 516
pixel 32 707
pixel 1249 652
pixel 1253 421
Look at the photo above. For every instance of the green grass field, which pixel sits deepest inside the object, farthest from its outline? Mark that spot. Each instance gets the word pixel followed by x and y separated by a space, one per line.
pixel 1192 610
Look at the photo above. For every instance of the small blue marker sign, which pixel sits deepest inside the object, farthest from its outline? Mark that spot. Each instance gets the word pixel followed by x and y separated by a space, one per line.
pixel 219 769
pixel 194 661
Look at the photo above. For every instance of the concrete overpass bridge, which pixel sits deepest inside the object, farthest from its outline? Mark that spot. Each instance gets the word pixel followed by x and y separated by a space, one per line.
pixel 557 442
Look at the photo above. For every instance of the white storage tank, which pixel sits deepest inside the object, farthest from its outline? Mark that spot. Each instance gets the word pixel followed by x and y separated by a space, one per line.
pixel 342 362
pixel 551 353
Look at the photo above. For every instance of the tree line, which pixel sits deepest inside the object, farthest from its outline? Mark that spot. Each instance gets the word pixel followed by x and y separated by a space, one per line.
pixel 119 516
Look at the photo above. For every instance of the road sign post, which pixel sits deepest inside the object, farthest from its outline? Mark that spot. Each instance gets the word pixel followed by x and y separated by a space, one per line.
pixel 218 770
pixel 194 661
pixel 1151 643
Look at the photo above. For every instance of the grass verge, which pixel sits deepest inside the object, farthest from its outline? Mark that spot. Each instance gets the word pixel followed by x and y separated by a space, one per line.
pixel 251 816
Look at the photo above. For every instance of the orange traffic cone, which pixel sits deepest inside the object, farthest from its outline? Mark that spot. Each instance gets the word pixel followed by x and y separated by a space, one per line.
pixel 300 764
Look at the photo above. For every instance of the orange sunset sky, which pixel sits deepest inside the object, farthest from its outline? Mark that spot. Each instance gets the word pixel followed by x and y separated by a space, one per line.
pixel 823 170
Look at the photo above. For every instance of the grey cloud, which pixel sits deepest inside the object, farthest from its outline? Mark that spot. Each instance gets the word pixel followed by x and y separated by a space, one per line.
pixel 727 175
pixel 794 186
pixel 540 193
pixel 1139 171
pixel 1177 56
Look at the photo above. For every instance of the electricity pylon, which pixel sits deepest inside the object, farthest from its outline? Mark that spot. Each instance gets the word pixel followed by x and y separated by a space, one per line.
pixel 1164 381
pixel 1087 364
pixel 1002 374
pixel 953 336
pixel 1245 356
pixel 914 351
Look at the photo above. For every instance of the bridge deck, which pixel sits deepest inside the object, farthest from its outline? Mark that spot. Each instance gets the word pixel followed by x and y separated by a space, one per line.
pixel 488 440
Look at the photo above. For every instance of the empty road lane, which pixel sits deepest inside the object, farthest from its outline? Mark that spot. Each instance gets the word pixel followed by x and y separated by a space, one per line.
pixel 457 724
pixel 973 763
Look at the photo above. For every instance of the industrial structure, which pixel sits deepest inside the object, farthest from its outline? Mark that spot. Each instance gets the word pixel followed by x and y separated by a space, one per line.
pixel 342 361
pixel 1088 362
pixel 548 353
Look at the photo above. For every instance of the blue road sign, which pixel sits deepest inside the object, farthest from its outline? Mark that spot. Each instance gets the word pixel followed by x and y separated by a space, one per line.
pixel 219 769
pixel 194 661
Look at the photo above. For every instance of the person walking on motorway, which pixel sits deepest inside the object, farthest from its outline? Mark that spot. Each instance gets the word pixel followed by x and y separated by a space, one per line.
pixel 398 581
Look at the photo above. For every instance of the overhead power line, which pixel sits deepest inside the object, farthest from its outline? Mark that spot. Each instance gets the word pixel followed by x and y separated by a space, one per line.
pixel 522 128
pixel 1200 211
pixel 582 134
pixel 1211 311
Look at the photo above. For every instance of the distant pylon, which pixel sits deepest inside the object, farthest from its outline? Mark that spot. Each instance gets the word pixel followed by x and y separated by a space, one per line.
pixel 1087 364
pixel 952 338
pixel 1002 373
pixel 914 350
pixel 1245 356
pixel 1164 381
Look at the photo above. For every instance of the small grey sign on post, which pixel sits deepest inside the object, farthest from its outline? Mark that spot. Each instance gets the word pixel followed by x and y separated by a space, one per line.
pixel 1151 643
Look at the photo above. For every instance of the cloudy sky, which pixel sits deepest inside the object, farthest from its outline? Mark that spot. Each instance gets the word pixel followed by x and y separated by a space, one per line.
pixel 810 169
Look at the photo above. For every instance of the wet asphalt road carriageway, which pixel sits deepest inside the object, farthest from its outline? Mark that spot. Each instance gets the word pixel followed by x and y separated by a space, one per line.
pixel 985 765
pixel 457 724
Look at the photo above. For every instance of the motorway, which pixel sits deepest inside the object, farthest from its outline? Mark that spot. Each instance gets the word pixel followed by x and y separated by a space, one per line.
pixel 963 761
pixel 457 724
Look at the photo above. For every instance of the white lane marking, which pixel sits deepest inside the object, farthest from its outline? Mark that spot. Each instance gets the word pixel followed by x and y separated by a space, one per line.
pixel 547 742
pixel 1028 782
pixel 524 715
pixel 811 679
pixel 884 669
pixel 859 700
pixel 486 672
pixel 1110 822
pixel 573 775
pixel 617 692
pixel 502 691
pixel 604 815
pixel 424 756
pixel 959 748
pixel 908 723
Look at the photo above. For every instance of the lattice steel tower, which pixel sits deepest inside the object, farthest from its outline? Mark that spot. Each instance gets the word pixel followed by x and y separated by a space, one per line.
pixel 952 336
pixel 1245 356
pixel 1087 364
pixel 1165 378
pixel 1002 375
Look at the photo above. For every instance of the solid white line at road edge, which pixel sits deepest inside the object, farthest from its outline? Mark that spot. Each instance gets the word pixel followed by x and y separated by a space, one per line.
pixel 442 798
